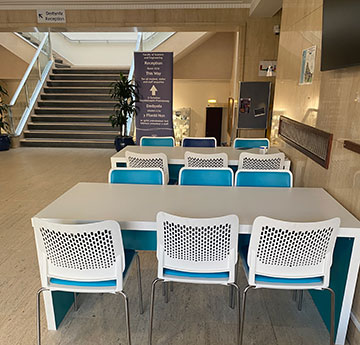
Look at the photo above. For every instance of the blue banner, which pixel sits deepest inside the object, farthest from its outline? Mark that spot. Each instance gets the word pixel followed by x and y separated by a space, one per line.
pixel 154 78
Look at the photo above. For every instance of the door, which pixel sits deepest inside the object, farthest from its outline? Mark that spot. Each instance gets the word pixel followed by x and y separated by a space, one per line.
pixel 213 123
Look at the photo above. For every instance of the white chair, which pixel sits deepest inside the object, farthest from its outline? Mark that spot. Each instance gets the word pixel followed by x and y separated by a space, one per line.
pixel 83 258
pixel 197 251
pixel 151 160
pixel 255 161
pixel 200 160
pixel 290 256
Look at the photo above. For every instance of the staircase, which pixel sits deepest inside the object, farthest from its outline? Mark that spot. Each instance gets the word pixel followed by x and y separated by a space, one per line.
pixel 73 109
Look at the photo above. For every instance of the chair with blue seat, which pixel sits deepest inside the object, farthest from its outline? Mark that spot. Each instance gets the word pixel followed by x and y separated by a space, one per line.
pixel 136 176
pixel 263 178
pixel 206 177
pixel 195 251
pixel 199 142
pixel 157 141
pixel 83 258
pixel 289 256
pixel 250 143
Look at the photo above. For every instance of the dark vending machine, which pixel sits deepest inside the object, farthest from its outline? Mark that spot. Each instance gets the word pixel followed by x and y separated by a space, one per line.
pixel 254 104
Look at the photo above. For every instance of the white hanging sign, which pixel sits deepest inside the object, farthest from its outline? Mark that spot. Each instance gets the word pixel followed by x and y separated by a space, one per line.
pixel 51 16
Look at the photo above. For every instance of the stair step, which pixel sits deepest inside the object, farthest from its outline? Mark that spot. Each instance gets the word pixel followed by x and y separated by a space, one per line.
pixel 77 104
pixel 78 97
pixel 74 126
pixel 73 111
pixel 108 144
pixel 78 90
pixel 61 65
pixel 106 135
pixel 72 70
pixel 88 83
pixel 70 118
pixel 57 60
pixel 84 77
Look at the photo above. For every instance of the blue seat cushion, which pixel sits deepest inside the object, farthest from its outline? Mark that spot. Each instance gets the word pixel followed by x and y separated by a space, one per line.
pixel 176 273
pixel 129 256
pixel 267 279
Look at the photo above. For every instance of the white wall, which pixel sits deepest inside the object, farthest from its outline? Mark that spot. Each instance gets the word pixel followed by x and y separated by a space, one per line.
pixel 93 54
pixel 195 94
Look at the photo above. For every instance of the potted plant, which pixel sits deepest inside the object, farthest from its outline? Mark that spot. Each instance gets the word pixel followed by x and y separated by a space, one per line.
pixel 125 93
pixel 4 126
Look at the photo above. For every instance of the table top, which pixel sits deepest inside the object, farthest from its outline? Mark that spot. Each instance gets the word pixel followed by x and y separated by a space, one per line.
pixel 135 206
pixel 176 154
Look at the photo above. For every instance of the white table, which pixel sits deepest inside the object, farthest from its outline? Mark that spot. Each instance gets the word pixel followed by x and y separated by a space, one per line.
pixel 176 154
pixel 139 205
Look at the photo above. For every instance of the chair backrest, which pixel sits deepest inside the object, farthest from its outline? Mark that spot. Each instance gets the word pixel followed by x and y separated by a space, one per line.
pixel 206 177
pixel 291 250
pixel 263 178
pixel 157 141
pixel 153 160
pixel 80 252
pixel 250 143
pixel 260 161
pixel 136 176
pixel 197 245
pixel 200 160
pixel 199 142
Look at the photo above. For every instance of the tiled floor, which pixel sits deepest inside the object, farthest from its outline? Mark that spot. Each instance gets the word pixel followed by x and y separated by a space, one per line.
pixel 32 178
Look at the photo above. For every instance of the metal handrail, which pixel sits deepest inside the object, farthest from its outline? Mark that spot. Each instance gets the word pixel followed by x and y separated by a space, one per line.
pixel 28 71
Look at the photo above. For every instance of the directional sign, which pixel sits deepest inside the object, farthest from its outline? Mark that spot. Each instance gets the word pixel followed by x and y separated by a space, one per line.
pixel 51 16
pixel 154 78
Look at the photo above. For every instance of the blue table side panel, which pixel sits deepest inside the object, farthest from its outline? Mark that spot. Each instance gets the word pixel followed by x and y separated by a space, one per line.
pixel 139 240
pixel 234 168
pixel 120 165
pixel 62 301
pixel 338 278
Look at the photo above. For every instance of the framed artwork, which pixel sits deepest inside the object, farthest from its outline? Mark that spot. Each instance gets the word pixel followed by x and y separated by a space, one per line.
pixel 230 115
pixel 307 65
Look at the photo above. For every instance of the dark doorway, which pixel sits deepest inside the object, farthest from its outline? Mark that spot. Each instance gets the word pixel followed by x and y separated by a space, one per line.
pixel 213 123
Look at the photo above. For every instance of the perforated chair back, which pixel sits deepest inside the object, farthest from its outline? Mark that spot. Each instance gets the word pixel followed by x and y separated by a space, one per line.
pixel 255 161
pixel 199 142
pixel 197 245
pixel 250 143
pixel 263 178
pixel 199 160
pixel 292 250
pixel 80 252
pixel 153 160
pixel 206 177
pixel 136 176
pixel 157 141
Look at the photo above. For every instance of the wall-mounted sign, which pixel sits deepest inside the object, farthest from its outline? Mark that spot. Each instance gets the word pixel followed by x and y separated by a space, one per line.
pixel 307 65
pixel 154 78
pixel 51 16
pixel 266 68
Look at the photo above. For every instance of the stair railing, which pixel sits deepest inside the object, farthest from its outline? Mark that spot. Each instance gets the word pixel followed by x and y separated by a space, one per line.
pixel 30 86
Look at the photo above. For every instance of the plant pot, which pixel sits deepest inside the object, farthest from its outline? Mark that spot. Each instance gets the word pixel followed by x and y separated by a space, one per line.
pixel 121 142
pixel 4 142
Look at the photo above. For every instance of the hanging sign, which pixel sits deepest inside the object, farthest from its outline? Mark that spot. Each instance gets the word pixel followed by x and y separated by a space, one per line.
pixel 51 16
pixel 154 78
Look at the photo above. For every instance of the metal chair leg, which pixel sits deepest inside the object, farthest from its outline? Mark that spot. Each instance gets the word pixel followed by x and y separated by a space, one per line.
pixel 76 306
pixel 127 316
pixel 236 287
pixel 294 295
pixel 300 300
pixel 231 291
pixel 242 317
pixel 171 286
pixel 332 319
pixel 166 292
pixel 141 305
pixel 38 325
pixel 152 307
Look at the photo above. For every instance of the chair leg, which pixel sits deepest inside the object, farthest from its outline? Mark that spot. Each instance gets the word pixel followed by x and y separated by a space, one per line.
pixel 236 287
pixel 294 295
pixel 242 317
pixel 127 316
pixel 76 307
pixel 231 291
pixel 332 320
pixel 166 292
pixel 141 305
pixel 300 301
pixel 38 325
pixel 152 307
pixel 171 286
